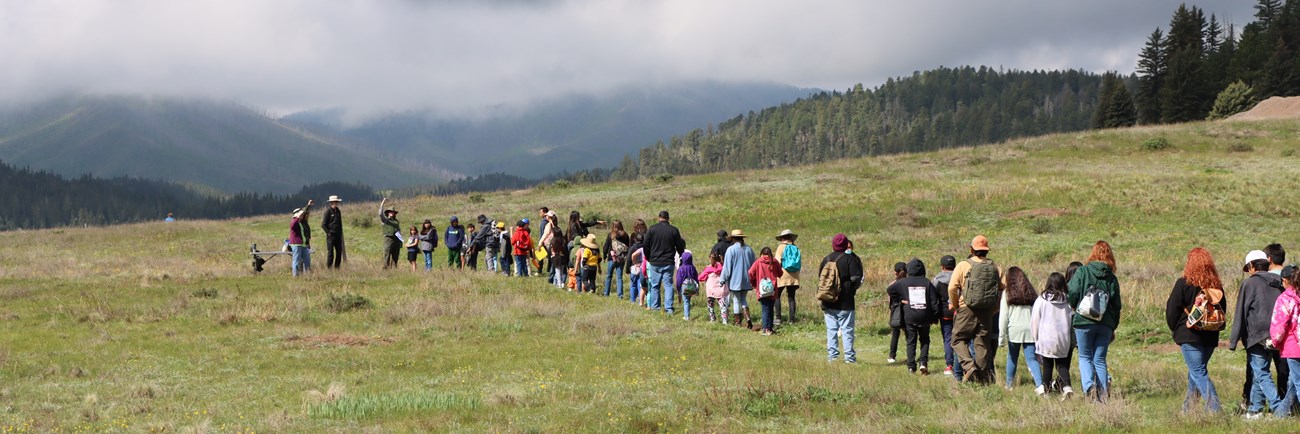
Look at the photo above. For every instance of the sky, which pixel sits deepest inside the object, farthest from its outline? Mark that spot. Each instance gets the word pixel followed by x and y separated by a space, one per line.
pixel 463 55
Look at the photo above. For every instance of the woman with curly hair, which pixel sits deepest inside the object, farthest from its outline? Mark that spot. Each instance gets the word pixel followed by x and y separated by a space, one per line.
pixel 1200 285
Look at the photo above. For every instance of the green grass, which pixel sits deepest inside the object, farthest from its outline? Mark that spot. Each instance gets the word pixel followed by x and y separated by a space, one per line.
pixel 157 327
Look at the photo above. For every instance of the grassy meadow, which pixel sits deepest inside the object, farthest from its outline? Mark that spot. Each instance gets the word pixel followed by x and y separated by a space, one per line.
pixel 163 328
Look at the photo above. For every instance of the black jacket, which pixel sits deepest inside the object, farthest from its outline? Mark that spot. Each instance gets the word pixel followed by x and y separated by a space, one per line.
pixel 720 248
pixel 850 267
pixel 929 309
pixel 1181 299
pixel 662 244
pixel 332 223
pixel 608 247
pixel 1254 312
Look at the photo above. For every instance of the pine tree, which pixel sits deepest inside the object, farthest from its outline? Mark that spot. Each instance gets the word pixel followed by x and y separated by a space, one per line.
pixel 1185 95
pixel 1115 107
pixel 1151 77
pixel 1266 11
pixel 1236 98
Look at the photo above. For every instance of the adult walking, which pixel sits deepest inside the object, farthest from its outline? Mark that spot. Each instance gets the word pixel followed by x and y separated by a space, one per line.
pixel 391 229
pixel 840 313
pixel 919 301
pixel 1095 321
pixel 974 295
pixel 1199 290
pixel 791 263
pixel 300 239
pixel 332 224
pixel 616 254
pixel 663 242
pixel 735 275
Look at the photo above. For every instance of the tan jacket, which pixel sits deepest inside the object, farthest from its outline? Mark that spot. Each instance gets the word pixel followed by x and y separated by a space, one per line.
pixel 959 278
pixel 788 278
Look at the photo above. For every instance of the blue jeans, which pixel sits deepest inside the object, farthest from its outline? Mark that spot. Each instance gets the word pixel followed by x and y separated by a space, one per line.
pixel 945 328
pixel 1094 340
pixel 428 260
pixel 636 282
pixel 738 300
pixel 1031 362
pixel 301 259
pixel 1262 388
pixel 769 307
pixel 521 265
pixel 1199 385
pixel 839 324
pixel 1293 386
pixel 661 287
pixel 613 267
pixel 505 263
pixel 686 306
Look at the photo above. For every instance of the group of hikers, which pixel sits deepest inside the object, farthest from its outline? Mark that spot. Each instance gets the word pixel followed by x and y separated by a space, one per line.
pixel 978 305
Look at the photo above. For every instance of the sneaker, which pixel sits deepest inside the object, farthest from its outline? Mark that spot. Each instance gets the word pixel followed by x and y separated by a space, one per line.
pixel 1253 416
pixel 947 371
pixel 891 361
pixel 686 318
pixel 851 362
pixel 1040 390
pixel 1066 393
pixel 924 370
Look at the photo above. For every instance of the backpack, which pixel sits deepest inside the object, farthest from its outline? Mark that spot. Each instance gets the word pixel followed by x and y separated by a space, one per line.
pixel 1204 315
pixel 766 288
pixel 1093 304
pixel 982 288
pixel 690 287
pixel 791 259
pixel 616 250
pixel 828 281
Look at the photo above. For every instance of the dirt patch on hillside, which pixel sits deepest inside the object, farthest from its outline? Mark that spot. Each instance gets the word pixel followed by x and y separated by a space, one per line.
pixel 1039 212
pixel 1273 108
pixel 335 340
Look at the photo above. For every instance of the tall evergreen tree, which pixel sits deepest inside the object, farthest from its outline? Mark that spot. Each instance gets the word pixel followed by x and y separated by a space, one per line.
pixel 1151 78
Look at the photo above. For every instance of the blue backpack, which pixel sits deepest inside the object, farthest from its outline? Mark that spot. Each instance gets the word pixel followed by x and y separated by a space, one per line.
pixel 791 260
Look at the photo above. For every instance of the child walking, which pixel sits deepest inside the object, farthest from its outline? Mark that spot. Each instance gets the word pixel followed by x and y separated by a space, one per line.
pixel 764 273
pixel 688 279
pixel 716 293
pixel 1050 326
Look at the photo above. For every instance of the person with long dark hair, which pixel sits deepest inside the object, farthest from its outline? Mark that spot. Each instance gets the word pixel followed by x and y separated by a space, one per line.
pixel 617 243
pixel 1014 322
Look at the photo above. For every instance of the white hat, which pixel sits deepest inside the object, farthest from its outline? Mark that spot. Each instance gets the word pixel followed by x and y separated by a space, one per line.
pixel 1254 255
pixel 297 212
pixel 335 199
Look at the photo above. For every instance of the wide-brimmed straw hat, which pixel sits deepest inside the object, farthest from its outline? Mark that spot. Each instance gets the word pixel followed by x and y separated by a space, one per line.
pixel 334 199
pixel 787 234
pixel 737 233
pixel 589 241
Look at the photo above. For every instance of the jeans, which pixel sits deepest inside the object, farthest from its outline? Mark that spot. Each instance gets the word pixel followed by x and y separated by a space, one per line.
pixel 686 306
pixel 915 333
pixel 769 309
pixel 521 265
pixel 1263 390
pixel 560 275
pixel 1199 385
pixel 504 267
pixel 1293 384
pixel 945 328
pixel 1031 361
pixel 636 282
pixel 661 287
pixel 839 324
pixel 428 260
pixel 612 268
pixel 1094 341
pixel 738 300
pixel 301 259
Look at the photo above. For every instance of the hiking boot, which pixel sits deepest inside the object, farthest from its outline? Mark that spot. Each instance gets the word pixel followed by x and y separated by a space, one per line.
pixel 749 323
pixel 924 370
pixel 947 372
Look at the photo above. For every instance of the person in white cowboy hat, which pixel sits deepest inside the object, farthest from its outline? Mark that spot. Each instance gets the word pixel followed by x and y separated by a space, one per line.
pixel 735 276
pixel 300 238
pixel 791 262
pixel 332 224
pixel 588 264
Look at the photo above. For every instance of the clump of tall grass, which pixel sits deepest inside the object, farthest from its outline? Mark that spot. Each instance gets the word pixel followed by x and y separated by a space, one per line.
pixel 372 405
pixel 348 302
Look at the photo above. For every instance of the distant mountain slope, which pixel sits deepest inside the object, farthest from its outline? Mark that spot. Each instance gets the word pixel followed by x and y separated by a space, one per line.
pixel 222 145
pixel 561 134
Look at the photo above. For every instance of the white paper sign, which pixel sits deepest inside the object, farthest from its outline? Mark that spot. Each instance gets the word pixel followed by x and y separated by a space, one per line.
pixel 399 236
pixel 916 297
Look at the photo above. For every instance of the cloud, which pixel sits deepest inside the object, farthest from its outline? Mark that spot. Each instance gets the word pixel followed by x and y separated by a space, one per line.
pixel 461 54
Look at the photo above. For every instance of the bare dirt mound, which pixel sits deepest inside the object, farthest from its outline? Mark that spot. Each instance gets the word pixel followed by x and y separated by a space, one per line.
pixel 1273 108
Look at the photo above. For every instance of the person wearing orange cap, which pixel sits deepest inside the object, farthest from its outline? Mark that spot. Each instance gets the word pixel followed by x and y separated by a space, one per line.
pixel 974 295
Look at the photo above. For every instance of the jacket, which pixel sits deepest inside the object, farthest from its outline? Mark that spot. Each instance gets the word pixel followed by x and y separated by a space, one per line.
pixel 663 242
pixel 850 268
pixel 1286 317
pixel 1254 314
pixel 454 238
pixel 332 222
pixel 1014 323
pixel 941 281
pixel 492 238
pixel 922 297
pixel 1180 300
pixel 711 277
pixel 299 232
pixel 959 279
pixel 609 247
pixel 735 267
pixel 429 241
pixel 686 270
pixel 765 267
pixel 1099 274
pixel 1050 326
pixel 720 248
pixel 521 243
pixel 790 278
pixel 505 242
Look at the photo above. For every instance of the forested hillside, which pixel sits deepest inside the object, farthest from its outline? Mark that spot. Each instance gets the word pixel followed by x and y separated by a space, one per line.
pixel 930 110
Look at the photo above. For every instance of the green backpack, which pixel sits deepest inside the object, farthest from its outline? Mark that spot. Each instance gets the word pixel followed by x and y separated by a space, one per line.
pixel 982 287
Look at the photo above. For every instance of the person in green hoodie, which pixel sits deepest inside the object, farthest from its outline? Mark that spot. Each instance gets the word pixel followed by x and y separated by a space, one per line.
pixel 1094 291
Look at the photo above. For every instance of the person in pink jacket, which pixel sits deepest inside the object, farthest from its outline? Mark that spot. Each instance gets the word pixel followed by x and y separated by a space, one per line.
pixel 711 277
pixel 1284 332
pixel 763 275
